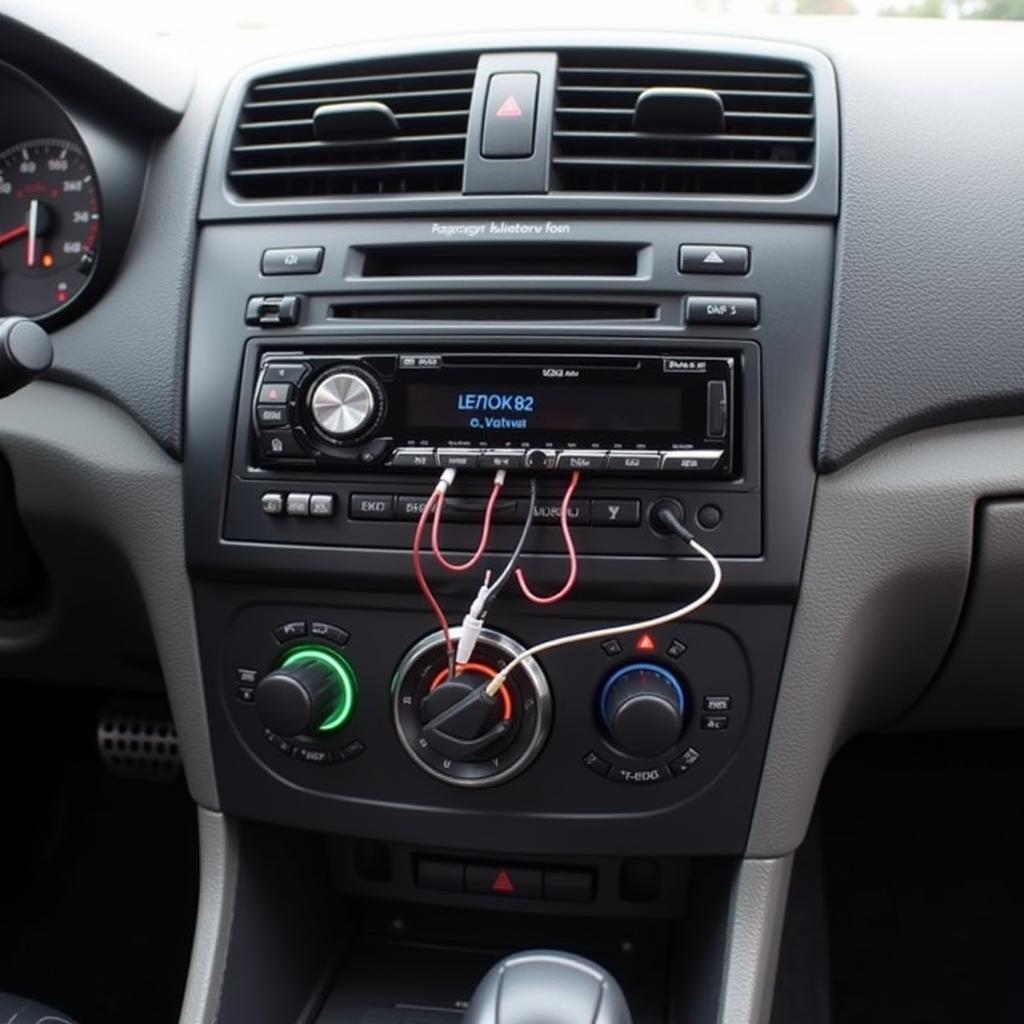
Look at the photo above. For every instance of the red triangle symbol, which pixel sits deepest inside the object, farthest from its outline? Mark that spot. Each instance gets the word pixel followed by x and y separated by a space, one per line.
pixel 645 643
pixel 503 883
pixel 509 108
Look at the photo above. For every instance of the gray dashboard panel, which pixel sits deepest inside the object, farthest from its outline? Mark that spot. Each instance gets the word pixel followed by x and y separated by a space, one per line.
pixel 886 574
pixel 76 458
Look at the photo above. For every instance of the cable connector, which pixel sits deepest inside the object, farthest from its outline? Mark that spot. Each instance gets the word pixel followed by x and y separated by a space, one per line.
pixel 447 479
pixel 472 624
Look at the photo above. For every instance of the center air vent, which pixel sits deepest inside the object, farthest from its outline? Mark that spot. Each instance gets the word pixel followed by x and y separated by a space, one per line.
pixel 763 143
pixel 385 126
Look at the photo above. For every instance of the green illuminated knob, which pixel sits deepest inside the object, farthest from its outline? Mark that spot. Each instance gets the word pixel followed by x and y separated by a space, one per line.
pixel 312 691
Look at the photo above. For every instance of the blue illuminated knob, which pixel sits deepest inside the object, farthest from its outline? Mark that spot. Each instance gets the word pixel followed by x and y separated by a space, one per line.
pixel 643 707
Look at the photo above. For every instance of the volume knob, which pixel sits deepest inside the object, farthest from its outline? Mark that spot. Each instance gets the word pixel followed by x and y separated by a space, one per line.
pixel 343 404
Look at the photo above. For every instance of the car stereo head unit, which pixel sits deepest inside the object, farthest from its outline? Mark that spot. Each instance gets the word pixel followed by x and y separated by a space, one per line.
pixel 476 410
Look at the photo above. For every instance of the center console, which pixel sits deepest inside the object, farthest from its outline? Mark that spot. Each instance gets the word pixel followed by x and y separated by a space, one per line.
pixel 601 361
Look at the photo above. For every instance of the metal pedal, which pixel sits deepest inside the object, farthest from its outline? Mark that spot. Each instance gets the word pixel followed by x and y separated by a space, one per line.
pixel 138 744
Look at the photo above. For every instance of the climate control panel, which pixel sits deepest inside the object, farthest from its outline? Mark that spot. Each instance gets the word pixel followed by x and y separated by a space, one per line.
pixel 350 720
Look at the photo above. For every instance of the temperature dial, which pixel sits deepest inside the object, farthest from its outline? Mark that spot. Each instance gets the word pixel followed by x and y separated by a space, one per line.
pixel 643 707
pixel 313 691
pixel 344 404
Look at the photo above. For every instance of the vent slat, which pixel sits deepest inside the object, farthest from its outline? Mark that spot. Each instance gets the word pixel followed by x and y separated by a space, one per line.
pixel 766 147
pixel 276 153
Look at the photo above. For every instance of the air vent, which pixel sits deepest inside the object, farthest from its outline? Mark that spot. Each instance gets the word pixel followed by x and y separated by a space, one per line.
pixel 278 153
pixel 764 145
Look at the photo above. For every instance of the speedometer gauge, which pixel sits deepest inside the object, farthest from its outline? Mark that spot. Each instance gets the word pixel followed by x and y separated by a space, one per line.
pixel 49 226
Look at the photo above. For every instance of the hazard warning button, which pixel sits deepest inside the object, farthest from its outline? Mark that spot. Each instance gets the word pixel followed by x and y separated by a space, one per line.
pixel 510 115
pixel 510 881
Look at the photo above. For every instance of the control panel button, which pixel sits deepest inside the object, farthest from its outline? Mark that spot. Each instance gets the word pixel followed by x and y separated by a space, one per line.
pixel 351 750
pixel 290 631
pixel 517 882
pixel 273 310
pixel 247 676
pixel 325 631
pixel 714 259
pixel 272 503
pixel 709 517
pixel 272 415
pixel 685 761
pixel 499 459
pixel 371 506
pixel 596 763
pixel 634 461
pixel 737 310
pixel 414 458
pixel 297 504
pixel 311 755
pixel 615 512
pixel 570 885
pixel 550 512
pixel 274 394
pixel 714 723
pixel 409 507
pixel 294 260
pixel 611 647
pixel 581 460
pixel 441 875
pixel 509 115
pixel 321 506
pixel 457 458
pixel 718 408
pixel 246 694
pixel 718 703
pixel 675 650
pixel 280 444
pixel 284 373
pixel 694 460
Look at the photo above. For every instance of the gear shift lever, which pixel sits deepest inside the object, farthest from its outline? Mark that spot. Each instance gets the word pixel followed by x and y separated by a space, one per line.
pixel 546 987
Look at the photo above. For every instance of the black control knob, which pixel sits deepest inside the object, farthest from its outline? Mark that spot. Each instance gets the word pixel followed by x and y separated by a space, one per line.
pixel 643 707
pixel 25 353
pixel 313 691
pixel 460 720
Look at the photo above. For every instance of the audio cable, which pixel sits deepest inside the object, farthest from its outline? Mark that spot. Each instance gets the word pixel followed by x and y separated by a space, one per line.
pixel 570 547
pixel 485 531
pixel 673 524
pixel 436 495
pixel 473 621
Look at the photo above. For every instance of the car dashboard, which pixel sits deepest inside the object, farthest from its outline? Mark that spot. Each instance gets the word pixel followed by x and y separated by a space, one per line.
pixel 595 315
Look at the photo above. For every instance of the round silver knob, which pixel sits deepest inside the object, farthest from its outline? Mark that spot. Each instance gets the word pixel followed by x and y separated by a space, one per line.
pixel 343 404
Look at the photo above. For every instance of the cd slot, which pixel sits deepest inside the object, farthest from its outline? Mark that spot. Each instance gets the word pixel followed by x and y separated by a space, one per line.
pixel 524 309
pixel 501 259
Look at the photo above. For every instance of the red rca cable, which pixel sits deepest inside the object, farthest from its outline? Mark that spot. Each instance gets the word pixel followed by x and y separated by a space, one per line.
pixel 485 533
pixel 421 579
pixel 570 548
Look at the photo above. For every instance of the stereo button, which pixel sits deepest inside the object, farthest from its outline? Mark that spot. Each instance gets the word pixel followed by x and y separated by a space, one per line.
pixel 272 503
pixel 306 260
pixel 499 459
pixel 321 506
pixel 457 458
pixel 371 506
pixel 581 460
pixel 615 512
pixel 634 461
pixel 722 309
pixel 414 458
pixel 271 415
pixel 274 394
pixel 550 512
pixel 695 460
pixel 284 373
pixel 280 444
pixel 714 259
pixel 410 507
pixel 297 505
pixel 718 408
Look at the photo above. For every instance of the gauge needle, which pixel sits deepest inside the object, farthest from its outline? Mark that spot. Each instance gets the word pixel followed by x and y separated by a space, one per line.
pixel 33 221
pixel 10 236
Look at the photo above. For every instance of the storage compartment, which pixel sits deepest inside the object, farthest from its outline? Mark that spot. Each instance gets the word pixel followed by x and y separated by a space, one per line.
pixel 979 684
